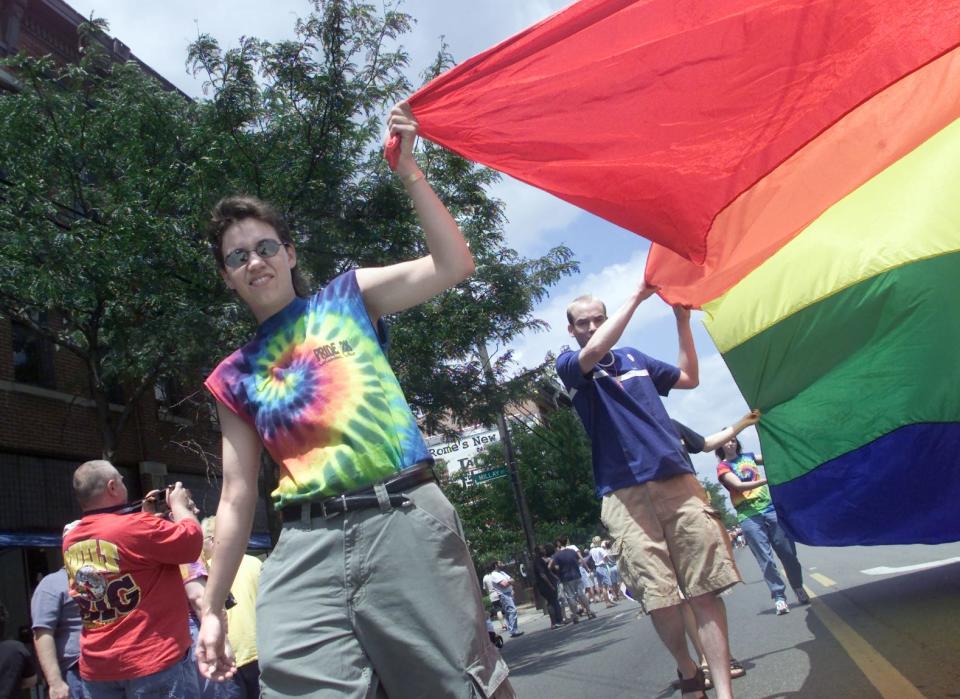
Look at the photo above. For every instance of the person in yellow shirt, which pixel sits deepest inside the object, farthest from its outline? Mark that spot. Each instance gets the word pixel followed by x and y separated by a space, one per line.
pixel 241 617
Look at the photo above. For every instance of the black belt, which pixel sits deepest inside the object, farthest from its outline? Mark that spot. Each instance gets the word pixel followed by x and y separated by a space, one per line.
pixel 366 498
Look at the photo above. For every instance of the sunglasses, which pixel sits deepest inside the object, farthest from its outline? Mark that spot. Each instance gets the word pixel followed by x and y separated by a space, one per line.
pixel 264 249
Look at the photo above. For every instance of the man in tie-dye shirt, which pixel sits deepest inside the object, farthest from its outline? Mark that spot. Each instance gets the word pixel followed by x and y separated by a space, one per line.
pixel 370 588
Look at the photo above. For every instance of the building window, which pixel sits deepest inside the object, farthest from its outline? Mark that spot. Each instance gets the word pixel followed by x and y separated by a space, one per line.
pixel 169 397
pixel 32 357
pixel 115 393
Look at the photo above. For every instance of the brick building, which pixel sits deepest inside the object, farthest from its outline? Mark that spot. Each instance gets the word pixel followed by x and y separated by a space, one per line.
pixel 41 27
pixel 48 422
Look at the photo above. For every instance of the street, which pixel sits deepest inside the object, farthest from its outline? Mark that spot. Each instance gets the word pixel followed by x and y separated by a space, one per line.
pixel 882 623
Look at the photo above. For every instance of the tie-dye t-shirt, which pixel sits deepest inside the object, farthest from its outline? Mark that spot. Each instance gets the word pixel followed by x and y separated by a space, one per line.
pixel 747 503
pixel 317 387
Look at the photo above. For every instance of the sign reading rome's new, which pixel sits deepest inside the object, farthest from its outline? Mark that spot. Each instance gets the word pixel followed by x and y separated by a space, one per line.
pixel 461 453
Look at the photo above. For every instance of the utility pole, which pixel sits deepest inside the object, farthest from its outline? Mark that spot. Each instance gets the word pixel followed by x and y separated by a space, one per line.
pixel 508 453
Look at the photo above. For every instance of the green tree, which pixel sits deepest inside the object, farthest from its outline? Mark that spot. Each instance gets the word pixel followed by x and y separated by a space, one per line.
pixel 718 500
pixel 98 200
pixel 489 519
pixel 554 463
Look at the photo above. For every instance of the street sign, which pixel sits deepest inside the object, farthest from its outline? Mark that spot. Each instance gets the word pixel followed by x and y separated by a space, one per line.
pixel 489 475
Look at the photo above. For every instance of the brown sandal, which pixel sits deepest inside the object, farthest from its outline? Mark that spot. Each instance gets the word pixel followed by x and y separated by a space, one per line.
pixel 736 670
pixel 696 683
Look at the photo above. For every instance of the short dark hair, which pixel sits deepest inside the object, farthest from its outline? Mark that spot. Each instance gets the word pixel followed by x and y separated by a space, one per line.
pixel 234 209
pixel 721 454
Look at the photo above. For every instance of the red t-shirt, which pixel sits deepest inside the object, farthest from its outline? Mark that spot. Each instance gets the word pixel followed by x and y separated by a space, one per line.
pixel 124 574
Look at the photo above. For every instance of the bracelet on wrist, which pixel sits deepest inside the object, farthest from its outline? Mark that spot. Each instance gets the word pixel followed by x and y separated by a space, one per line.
pixel 412 177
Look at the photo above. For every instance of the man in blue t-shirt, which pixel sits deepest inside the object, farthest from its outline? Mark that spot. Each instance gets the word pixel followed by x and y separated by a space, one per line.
pixel 566 564
pixel 667 536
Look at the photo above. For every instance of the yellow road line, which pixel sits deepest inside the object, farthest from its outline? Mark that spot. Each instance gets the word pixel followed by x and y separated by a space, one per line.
pixel 823 580
pixel 882 675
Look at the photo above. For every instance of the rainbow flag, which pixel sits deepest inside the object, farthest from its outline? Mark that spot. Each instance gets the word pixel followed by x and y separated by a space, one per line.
pixel 845 333
pixel 797 166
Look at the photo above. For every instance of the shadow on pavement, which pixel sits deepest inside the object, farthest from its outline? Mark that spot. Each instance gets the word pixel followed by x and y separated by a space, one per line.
pixel 550 649
pixel 910 620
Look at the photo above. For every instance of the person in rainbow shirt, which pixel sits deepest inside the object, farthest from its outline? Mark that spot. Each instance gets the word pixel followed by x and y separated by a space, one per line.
pixel 370 590
pixel 738 472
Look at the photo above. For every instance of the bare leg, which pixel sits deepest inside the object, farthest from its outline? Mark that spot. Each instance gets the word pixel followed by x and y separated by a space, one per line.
pixel 693 632
pixel 668 623
pixel 712 625
pixel 723 620
pixel 585 601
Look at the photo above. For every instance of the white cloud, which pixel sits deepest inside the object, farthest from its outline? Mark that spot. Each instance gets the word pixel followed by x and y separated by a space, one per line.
pixel 531 214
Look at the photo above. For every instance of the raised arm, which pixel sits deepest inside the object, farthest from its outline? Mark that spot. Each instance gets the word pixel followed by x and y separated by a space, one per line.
pixel 400 286
pixel 687 361
pixel 609 332
pixel 718 439
pixel 241 462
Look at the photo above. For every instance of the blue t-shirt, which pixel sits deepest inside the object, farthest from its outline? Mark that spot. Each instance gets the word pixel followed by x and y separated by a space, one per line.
pixel 619 403
pixel 53 608
pixel 568 562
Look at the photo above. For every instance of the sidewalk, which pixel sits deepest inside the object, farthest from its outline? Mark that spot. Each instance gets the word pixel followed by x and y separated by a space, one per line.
pixel 529 618
pixel 527 613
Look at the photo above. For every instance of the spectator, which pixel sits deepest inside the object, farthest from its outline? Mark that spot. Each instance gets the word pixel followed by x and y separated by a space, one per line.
pixel 547 583
pixel 17 667
pixel 493 596
pixel 497 579
pixel 56 633
pixel 241 616
pixel 601 566
pixel 566 564
pixel 123 569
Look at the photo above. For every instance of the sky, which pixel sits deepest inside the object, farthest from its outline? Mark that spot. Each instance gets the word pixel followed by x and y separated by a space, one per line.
pixel 611 258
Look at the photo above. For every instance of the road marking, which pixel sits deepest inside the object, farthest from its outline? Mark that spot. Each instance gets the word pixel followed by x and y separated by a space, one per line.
pixel 887 570
pixel 823 580
pixel 885 678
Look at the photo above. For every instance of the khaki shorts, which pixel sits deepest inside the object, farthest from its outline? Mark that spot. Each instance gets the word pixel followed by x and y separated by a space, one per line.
pixel 667 537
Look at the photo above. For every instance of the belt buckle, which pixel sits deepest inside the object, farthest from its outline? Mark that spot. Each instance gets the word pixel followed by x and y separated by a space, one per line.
pixel 331 515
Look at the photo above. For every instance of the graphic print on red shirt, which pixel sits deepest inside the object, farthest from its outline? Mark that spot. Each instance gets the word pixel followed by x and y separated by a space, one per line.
pixel 124 574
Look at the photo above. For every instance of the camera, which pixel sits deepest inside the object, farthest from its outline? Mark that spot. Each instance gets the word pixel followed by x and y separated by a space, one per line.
pixel 157 500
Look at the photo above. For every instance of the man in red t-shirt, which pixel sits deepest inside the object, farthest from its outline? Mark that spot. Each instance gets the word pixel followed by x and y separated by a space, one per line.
pixel 123 569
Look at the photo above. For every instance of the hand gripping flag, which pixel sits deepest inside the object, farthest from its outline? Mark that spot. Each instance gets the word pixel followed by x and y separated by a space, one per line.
pixel 797 166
